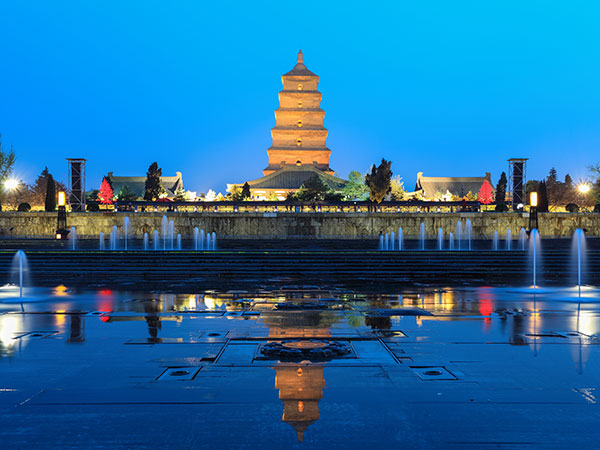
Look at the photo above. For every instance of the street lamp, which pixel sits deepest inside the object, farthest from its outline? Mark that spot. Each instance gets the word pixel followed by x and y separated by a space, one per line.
pixel 11 184
pixel 533 215
pixel 584 188
pixel 61 221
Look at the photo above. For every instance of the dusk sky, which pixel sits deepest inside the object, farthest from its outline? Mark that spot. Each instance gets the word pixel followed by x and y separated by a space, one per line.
pixel 450 88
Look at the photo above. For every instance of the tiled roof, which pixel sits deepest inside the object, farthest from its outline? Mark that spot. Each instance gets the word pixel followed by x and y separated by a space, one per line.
pixel 292 177
pixel 138 184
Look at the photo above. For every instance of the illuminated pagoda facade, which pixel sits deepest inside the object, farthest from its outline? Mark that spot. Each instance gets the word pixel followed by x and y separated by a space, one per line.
pixel 299 150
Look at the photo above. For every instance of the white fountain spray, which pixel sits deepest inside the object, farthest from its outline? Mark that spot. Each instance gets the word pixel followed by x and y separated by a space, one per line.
pixel 400 239
pixel 534 239
pixel 164 225
pixel 171 234
pixel 156 240
pixel 101 243
pixel 125 231
pixel 451 241
pixel 196 238
pixel 73 238
pixel 522 238
pixel 178 241
pixel 214 240
pixel 202 240
pixel 579 245
pixel 508 239
pixel 145 241
pixel 495 241
pixel 392 240
pixel 422 235
pixel 440 239
pixel 469 234
pixel 386 242
pixel 459 234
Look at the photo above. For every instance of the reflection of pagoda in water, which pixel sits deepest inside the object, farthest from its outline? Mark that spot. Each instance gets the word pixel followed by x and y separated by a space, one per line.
pixel 300 385
pixel 300 389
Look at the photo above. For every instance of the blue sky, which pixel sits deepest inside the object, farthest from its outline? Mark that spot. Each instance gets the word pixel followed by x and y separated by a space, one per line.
pixel 450 88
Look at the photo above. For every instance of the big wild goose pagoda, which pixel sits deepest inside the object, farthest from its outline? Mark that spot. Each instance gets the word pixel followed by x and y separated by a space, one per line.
pixel 299 149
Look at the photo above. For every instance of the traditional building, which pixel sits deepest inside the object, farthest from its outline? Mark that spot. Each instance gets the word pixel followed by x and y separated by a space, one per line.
pixel 444 188
pixel 299 149
pixel 137 185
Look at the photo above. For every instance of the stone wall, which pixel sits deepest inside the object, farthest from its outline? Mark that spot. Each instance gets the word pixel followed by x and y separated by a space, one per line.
pixel 303 225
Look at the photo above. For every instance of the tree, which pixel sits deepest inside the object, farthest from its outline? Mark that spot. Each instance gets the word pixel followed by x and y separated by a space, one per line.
pixel 568 181
pixel 235 194
pixel 313 189
pixel 355 188
pixel 246 194
pixel 7 161
pixel 179 195
pixel 552 176
pixel 470 197
pixel 50 203
pixel 542 197
pixel 501 189
pixel 105 193
pixel 126 194
pixel 153 186
pixel 379 181
pixel 397 189
pixel 486 194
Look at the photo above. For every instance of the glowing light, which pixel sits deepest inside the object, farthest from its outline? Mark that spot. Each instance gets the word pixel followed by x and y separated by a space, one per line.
pixel 60 290
pixel 533 199
pixel 11 184
pixel 584 188
pixel 61 198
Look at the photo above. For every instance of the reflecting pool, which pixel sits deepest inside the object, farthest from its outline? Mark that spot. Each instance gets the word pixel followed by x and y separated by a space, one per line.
pixel 300 366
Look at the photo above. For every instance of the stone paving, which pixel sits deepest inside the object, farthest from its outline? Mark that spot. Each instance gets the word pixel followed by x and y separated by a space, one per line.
pixel 473 368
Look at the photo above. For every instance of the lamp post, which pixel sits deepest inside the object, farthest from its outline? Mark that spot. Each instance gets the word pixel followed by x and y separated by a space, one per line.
pixel 61 222
pixel 533 214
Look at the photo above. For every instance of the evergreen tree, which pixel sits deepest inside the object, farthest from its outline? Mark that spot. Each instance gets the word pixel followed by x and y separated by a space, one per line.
pixel 379 181
pixel 552 176
pixel 486 195
pixel 542 197
pixel 501 189
pixel 126 194
pixel 568 181
pixel 153 186
pixel 105 193
pixel 179 195
pixel 246 194
pixel 50 204
pixel 313 189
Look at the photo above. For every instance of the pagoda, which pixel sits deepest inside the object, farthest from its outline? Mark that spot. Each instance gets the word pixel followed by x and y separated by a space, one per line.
pixel 299 135
pixel 299 150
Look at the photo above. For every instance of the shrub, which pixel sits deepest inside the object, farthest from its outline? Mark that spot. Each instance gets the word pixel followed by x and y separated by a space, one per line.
pixel 24 207
pixel 596 208
pixel 572 208
pixel 93 207
pixel 501 208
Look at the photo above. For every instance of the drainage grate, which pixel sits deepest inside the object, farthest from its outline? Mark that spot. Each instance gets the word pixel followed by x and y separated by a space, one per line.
pixel 178 374
pixel 36 334
pixel 433 373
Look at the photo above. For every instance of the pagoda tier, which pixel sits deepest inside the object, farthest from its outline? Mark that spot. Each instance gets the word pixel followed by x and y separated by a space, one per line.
pixel 299 136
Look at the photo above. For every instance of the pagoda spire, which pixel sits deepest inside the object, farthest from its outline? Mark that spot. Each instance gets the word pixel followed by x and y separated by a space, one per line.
pixel 300 58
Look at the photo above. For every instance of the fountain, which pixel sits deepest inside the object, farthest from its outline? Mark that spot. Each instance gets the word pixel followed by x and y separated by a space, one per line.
pixel 73 238
pixel 440 239
pixel 171 234
pixel 164 224
pixel 381 241
pixel 451 241
pixel 125 231
pixel 400 239
pixel 20 270
pixel 214 240
pixel 495 241
pixel 145 241
pixel 534 243
pixel 196 238
pixel 207 241
pixel 508 239
pixel 579 252
pixel 114 235
pixel 422 235
pixel 102 244
pixel 386 245
pixel 522 237
pixel 468 226
pixel 156 240
pixel 178 241
pixel 392 240
pixel 459 233
pixel 202 240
